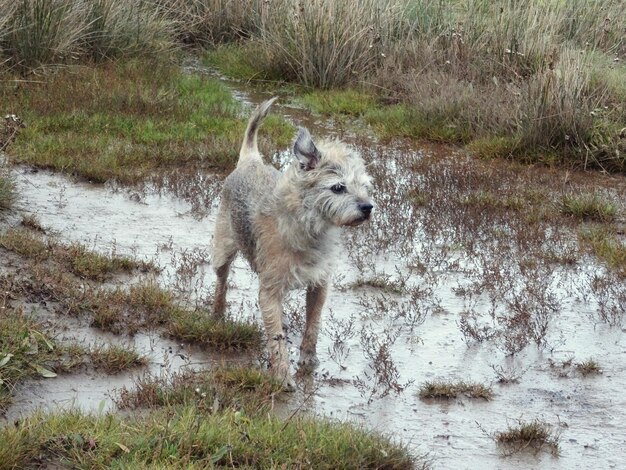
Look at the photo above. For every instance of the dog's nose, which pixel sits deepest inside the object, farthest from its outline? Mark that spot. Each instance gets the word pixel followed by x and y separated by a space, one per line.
pixel 366 208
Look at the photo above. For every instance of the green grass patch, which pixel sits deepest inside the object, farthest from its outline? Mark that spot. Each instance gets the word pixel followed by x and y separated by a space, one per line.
pixel 238 387
pixel 128 120
pixel 200 327
pixel 407 121
pixel 607 247
pixel 147 305
pixel 350 102
pixel 114 358
pixel 187 437
pixel 240 61
pixel 440 389
pixel 588 206
pixel 495 147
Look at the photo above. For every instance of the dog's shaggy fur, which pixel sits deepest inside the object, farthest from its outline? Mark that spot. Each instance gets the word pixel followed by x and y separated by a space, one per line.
pixel 287 225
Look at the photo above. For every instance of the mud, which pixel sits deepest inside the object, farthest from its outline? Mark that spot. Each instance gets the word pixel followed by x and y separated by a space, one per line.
pixel 419 323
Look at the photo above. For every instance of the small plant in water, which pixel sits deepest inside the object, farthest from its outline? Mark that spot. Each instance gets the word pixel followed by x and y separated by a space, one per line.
pixel 588 206
pixel 534 436
pixel 446 390
pixel 588 367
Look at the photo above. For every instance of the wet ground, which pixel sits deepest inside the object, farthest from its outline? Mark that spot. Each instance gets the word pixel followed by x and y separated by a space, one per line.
pixel 430 290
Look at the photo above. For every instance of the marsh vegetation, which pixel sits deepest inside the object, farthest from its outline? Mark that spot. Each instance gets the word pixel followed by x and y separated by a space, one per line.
pixel 497 251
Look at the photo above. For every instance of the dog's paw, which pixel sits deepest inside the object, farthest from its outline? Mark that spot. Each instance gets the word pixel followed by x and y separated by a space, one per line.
pixel 289 384
pixel 281 373
pixel 308 361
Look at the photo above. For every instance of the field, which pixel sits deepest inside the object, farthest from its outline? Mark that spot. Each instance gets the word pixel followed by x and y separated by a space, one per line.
pixel 477 320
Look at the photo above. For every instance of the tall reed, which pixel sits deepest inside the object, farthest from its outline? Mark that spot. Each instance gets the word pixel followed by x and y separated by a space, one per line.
pixel 327 43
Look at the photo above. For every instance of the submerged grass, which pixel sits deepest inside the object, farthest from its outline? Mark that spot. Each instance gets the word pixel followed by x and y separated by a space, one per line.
pixel 589 206
pixel 7 191
pixel 128 120
pixel 143 305
pixel 115 358
pixel 607 246
pixel 588 367
pixel 445 390
pixel 534 436
pixel 75 257
pixel 26 350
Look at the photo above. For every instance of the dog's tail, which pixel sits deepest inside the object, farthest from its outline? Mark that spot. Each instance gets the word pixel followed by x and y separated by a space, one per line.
pixel 249 147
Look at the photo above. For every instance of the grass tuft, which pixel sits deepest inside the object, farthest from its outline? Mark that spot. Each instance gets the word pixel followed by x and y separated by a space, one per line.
pixel 607 246
pixel 7 192
pixel 588 206
pixel 535 436
pixel 222 335
pixel 588 367
pixel 446 390
pixel 115 358
pixel 384 283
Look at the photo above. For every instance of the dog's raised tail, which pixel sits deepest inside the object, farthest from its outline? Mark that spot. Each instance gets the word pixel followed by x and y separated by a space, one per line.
pixel 249 147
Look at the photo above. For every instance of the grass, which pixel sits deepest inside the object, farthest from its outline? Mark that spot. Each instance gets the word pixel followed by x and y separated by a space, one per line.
pixel 198 420
pixel 75 257
pixel 7 190
pixel 588 367
pixel 115 358
pixel 588 206
pixel 128 120
pixel 26 350
pixel 37 33
pixel 221 335
pixel 238 387
pixel 535 436
pixel 607 246
pixel 143 305
pixel 384 283
pixel 492 84
pixel 446 390
pixel 350 102
pixel 193 439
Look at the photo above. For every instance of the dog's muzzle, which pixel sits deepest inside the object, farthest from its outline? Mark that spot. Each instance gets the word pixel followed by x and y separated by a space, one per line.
pixel 366 211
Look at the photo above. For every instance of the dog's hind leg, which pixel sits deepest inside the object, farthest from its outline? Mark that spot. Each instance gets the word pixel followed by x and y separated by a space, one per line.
pixel 224 252
pixel 315 298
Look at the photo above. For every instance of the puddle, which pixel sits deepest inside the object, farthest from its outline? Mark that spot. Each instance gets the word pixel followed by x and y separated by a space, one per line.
pixel 440 265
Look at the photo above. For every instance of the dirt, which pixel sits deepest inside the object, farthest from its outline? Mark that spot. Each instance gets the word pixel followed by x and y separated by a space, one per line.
pixel 377 346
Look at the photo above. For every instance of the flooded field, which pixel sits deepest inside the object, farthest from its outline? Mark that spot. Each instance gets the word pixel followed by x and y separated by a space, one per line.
pixel 469 271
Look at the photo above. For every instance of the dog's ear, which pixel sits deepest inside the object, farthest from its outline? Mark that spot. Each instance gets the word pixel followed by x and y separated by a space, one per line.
pixel 305 150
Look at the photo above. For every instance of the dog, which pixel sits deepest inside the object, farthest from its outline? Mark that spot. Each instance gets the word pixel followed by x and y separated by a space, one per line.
pixel 288 226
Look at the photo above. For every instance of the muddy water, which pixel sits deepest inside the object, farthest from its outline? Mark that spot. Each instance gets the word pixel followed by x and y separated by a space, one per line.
pixel 420 323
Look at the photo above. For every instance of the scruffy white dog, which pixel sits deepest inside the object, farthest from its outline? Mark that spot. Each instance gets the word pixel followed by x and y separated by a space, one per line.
pixel 287 225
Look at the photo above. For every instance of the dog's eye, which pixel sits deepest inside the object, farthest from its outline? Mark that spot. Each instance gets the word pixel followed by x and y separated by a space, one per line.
pixel 338 189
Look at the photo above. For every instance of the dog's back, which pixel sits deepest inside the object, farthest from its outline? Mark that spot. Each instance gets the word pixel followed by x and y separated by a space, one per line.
pixel 249 185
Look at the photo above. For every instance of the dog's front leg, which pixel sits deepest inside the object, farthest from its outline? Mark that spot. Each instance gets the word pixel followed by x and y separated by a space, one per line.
pixel 315 298
pixel 270 301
